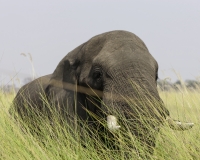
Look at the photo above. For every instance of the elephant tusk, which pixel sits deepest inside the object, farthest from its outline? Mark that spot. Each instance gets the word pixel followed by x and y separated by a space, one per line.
pixel 177 125
pixel 112 123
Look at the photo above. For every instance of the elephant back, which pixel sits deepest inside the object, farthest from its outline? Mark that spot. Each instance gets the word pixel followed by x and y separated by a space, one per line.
pixel 30 96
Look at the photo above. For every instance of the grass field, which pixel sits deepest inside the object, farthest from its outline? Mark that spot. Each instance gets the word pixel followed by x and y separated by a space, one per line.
pixel 16 141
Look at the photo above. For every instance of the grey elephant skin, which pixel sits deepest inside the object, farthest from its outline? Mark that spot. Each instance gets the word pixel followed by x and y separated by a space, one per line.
pixel 101 76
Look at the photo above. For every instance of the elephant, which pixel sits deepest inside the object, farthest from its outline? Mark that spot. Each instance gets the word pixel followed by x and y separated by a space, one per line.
pixel 111 73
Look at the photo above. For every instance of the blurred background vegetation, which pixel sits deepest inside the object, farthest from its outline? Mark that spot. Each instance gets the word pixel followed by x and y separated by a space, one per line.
pixel 162 84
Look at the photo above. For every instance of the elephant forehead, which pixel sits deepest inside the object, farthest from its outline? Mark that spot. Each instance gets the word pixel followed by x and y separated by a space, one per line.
pixel 110 56
pixel 125 60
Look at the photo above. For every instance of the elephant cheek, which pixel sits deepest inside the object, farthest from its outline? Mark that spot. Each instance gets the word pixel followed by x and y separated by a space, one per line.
pixel 61 100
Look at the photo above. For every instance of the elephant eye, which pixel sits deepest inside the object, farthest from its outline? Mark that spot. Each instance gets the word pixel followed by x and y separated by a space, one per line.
pixel 97 75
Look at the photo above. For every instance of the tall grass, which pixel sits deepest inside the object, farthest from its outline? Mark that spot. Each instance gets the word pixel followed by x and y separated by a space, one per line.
pixel 55 141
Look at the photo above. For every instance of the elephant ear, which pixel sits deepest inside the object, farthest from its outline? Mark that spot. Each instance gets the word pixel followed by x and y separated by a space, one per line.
pixel 65 71
pixel 60 91
pixel 63 82
pixel 64 77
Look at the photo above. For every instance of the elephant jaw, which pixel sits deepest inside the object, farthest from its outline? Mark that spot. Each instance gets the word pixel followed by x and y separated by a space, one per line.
pixel 177 125
pixel 112 123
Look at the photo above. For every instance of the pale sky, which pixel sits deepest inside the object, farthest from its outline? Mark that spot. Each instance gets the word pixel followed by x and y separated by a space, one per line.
pixel 48 30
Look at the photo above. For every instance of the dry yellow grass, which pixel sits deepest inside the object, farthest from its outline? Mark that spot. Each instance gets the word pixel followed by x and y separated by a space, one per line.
pixel 176 145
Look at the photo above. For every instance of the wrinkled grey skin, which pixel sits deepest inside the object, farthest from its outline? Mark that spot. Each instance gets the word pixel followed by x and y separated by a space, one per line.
pixel 113 63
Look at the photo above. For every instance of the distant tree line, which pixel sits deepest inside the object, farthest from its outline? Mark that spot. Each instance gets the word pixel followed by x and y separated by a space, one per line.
pixel 163 85
pixel 10 88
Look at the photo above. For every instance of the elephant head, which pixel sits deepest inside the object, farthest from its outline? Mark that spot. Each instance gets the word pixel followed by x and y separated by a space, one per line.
pixel 116 67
